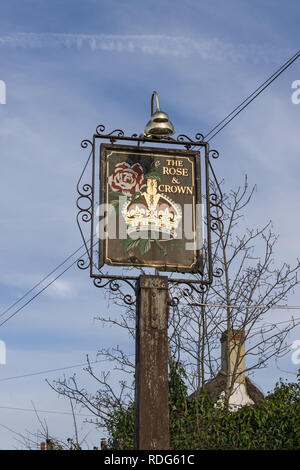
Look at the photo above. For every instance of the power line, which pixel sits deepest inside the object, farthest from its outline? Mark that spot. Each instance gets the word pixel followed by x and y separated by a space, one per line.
pixel 38 293
pixel 42 372
pixel 41 281
pixel 276 307
pixel 45 287
pixel 252 97
pixel 280 307
pixel 45 411
pixel 11 430
pixel 252 94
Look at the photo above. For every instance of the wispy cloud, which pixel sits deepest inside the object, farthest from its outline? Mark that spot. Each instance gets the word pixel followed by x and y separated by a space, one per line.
pixel 211 49
pixel 61 289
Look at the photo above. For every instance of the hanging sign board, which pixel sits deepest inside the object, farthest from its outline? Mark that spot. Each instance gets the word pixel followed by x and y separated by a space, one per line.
pixel 150 208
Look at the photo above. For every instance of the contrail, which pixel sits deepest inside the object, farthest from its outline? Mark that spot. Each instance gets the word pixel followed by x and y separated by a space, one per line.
pixel 211 49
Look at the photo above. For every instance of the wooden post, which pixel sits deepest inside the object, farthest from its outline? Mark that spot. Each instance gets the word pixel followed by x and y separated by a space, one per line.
pixel 151 421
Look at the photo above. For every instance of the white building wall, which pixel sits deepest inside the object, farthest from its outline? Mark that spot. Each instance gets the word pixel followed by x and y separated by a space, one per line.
pixel 238 398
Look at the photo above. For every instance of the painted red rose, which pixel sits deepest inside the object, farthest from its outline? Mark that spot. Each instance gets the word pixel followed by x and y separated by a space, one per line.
pixel 127 179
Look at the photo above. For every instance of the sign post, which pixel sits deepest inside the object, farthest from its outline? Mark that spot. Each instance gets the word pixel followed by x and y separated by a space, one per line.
pixel 151 371
pixel 144 206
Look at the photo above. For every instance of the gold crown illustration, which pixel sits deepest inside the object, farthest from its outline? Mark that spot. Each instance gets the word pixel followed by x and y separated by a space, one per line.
pixel 157 214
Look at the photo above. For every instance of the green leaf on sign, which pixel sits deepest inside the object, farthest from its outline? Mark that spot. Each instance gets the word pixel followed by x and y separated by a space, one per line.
pixel 144 246
pixel 153 174
pixel 130 244
pixel 162 249
pixel 114 205
pixel 115 194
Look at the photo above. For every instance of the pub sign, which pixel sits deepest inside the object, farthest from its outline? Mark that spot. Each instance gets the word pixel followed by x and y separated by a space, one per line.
pixel 151 211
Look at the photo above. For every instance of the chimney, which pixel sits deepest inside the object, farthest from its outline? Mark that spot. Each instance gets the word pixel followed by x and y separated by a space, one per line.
pixel 46 445
pixel 236 342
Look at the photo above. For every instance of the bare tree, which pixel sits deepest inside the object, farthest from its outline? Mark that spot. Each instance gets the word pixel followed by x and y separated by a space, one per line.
pixel 248 285
pixel 108 399
pixel 33 440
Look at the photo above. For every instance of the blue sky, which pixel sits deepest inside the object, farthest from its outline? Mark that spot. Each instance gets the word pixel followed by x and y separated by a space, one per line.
pixel 71 65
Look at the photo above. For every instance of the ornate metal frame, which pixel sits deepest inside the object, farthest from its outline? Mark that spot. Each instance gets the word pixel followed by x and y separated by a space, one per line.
pixel 86 205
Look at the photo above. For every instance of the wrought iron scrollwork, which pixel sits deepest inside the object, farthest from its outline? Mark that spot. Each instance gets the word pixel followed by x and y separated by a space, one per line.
pixel 85 143
pixel 216 213
pixel 84 205
pixel 83 263
pixel 183 138
pixel 215 207
pixel 218 272
pixel 190 288
pixel 100 129
pixel 214 154
pixel 173 302
pixel 199 137
pixel 115 286
pixel 188 142
pixel 216 210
